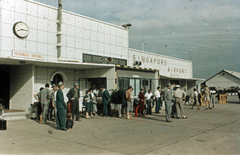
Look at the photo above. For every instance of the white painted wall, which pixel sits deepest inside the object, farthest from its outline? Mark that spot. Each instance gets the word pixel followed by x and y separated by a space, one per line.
pixel 21 87
pixel 167 66
pixel 223 80
pixel 80 34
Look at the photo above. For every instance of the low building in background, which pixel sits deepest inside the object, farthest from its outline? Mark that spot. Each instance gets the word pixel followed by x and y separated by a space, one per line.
pixel 225 81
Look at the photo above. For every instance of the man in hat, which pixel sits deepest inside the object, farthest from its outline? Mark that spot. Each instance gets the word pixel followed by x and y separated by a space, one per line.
pixel 45 96
pixel 73 97
pixel 168 102
pixel 105 100
pixel 61 106
pixel 53 99
pixel 206 93
pixel 51 104
pixel 179 95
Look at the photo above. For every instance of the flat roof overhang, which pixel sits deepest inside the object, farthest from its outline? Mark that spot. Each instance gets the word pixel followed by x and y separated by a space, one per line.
pixel 122 67
pixel 60 63
pixel 178 78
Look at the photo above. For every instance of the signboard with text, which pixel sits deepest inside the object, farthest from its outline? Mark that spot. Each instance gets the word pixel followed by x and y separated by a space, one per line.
pixel 167 66
pixel 27 55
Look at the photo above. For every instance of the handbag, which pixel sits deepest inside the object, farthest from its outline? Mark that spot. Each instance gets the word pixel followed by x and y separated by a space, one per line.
pixel 135 103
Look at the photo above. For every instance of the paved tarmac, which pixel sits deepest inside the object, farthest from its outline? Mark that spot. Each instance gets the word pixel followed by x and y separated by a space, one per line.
pixel 205 132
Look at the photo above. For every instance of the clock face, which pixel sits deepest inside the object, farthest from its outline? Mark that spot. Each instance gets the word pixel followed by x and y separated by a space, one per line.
pixel 20 29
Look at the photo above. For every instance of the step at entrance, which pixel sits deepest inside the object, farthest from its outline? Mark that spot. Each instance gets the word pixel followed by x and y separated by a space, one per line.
pixel 14 114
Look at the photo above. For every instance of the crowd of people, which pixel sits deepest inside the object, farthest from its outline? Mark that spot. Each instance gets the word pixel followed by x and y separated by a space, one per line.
pixel 52 101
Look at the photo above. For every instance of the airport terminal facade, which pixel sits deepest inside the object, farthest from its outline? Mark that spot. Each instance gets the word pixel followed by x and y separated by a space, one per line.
pixel 28 62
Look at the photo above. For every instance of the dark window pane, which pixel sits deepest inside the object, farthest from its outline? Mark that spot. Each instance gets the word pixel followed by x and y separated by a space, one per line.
pixel 120 84
pixel 123 62
pixel 97 59
pixel 87 58
pixel 114 61
pixel 126 83
pixel 137 87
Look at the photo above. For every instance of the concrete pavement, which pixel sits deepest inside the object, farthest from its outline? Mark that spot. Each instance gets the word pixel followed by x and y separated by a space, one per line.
pixel 204 132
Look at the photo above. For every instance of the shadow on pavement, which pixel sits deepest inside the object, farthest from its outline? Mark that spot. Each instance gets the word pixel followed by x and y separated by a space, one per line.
pixel 49 123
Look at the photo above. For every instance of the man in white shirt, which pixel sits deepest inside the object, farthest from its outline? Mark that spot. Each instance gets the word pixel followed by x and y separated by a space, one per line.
pixel 195 96
pixel 148 96
pixel 94 101
pixel 212 96
pixel 95 91
pixel 158 100
pixel 179 95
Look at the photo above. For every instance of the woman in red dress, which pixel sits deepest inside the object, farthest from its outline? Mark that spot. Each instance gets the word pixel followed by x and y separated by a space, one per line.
pixel 141 97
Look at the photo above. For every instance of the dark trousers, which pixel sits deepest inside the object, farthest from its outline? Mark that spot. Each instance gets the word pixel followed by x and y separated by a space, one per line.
pixel 75 108
pixel 160 100
pixel 105 109
pixel 174 110
pixel 157 105
pixel 39 110
pixel 61 119
pixel 140 109
pixel 149 110
pixel 50 110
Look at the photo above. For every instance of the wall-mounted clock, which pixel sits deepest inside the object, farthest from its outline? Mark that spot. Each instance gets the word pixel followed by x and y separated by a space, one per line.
pixel 20 29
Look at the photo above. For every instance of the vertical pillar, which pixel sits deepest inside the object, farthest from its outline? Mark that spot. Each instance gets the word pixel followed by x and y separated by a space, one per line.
pixel 115 79
pixel 59 28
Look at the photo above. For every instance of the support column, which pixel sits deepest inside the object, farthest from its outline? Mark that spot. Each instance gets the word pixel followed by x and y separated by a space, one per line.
pixel 21 87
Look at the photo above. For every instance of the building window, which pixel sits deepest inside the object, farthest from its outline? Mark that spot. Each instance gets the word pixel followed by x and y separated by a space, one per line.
pixel 87 58
pixel 97 59
pixel 115 61
pixel 123 84
pixel 122 62
pixel 136 84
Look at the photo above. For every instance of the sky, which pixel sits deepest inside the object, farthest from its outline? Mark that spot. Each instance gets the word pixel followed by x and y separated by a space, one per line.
pixel 207 32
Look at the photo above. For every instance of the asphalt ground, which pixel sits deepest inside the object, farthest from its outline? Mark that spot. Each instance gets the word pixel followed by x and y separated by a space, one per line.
pixel 205 132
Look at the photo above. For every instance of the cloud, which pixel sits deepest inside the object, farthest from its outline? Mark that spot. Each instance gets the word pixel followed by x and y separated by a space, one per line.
pixel 208 29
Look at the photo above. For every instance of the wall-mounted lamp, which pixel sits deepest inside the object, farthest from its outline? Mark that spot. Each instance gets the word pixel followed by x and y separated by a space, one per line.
pixel 127 26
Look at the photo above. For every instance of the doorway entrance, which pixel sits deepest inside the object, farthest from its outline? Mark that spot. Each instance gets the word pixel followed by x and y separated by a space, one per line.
pixel 87 83
pixel 4 85
pixel 57 78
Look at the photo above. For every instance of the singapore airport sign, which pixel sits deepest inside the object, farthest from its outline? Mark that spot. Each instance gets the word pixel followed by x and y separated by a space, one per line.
pixel 167 66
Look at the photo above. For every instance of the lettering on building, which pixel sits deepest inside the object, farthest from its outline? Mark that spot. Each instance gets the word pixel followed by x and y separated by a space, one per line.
pixel 177 70
pixel 27 55
pixel 152 60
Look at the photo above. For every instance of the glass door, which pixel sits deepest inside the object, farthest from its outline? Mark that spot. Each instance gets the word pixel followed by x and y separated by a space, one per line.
pixel 136 84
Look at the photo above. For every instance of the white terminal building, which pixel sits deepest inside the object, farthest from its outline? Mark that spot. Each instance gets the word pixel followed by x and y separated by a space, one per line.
pixel 29 55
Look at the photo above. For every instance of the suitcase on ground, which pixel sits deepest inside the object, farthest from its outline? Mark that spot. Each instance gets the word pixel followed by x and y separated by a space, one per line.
pixel 69 124
pixel 3 124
